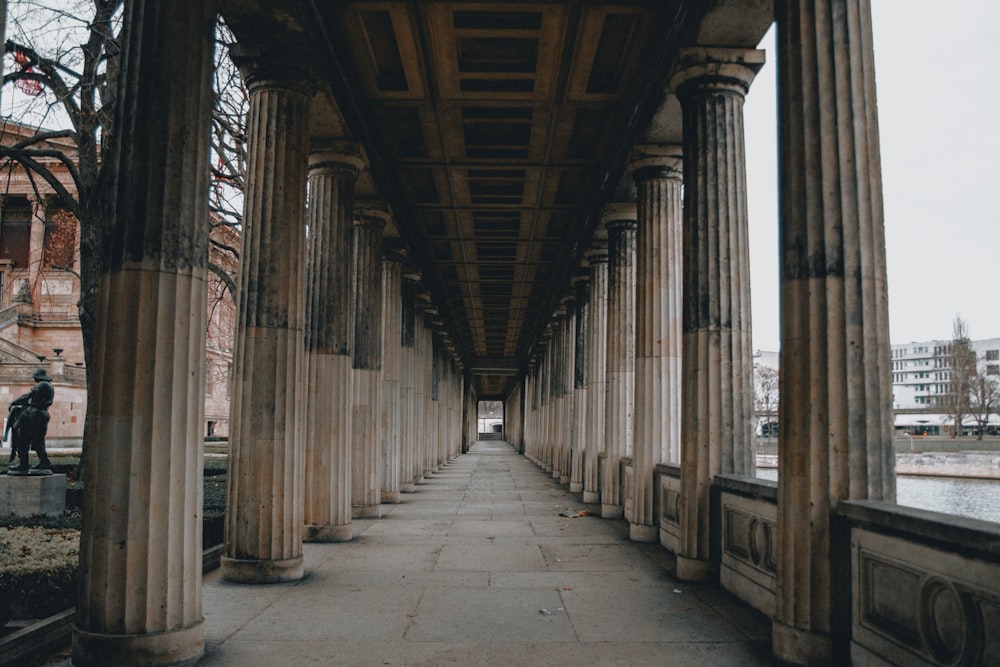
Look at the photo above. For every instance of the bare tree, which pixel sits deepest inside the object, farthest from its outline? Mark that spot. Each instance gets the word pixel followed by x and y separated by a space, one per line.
pixel 963 365
pixel 65 55
pixel 66 58
pixel 984 397
pixel 765 392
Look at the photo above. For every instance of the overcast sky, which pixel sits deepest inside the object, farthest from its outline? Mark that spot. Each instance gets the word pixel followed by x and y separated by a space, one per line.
pixel 939 116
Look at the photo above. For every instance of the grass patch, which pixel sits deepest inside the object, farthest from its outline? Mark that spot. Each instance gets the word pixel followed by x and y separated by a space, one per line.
pixel 38 571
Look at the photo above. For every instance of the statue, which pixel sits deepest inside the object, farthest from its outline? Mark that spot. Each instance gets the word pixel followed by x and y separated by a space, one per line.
pixel 27 422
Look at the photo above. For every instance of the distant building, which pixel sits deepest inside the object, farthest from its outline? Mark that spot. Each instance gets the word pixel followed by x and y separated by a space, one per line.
pixel 922 371
pixel 40 288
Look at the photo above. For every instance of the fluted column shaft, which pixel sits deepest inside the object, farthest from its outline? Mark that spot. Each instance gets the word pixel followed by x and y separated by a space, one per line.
pixel 657 173
pixel 140 547
pixel 329 344
pixel 620 376
pixel 392 314
pixel 436 396
pixel 567 390
pixel 582 329
pixel 718 357
pixel 835 441
pixel 264 505
pixel 548 401
pixel 366 452
pixel 597 354
pixel 421 388
pixel 408 393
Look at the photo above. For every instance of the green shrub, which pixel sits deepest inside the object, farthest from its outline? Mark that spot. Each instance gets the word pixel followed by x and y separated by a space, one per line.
pixel 38 571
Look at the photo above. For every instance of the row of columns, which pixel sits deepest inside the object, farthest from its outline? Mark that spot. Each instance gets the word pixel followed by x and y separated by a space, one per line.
pixel 667 354
pixel 140 552
pixel 346 390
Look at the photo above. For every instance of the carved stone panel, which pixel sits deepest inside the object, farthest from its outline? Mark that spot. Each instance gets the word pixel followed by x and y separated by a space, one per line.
pixel 914 604
pixel 749 565
pixel 670 509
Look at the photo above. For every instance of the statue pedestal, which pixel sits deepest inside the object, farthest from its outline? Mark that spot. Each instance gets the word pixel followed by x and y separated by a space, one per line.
pixel 32 494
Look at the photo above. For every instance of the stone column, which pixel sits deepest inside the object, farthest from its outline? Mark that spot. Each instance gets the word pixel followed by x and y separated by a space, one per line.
pixel 264 512
pixel 835 441
pixel 562 391
pixel 140 548
pixel 578 444
pixel 437 397
pixel 366 453
pixel 420 395
pixel 430 405
pixel 620 220
pixel 657 174
pixel 718 355
pixel 408 392
pixel 329 344
pixel 530 407
pixel 392 313
pixel 548 393
pixel 566 400
pixel 597 355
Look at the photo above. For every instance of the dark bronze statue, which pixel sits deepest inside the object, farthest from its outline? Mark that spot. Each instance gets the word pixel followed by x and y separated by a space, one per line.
pixel 27 422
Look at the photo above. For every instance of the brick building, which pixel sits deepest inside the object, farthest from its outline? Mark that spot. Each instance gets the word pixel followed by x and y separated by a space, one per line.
pixel 40 288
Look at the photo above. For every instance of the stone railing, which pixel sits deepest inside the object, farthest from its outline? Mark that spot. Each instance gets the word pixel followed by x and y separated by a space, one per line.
pixel 490 435
pixel 627 478
pixel 747 508
pixel 667 481
pixel 925 586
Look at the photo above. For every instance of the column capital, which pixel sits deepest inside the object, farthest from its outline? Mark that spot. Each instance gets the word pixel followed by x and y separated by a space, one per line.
pixel 597 253
pixel 618 215
pixel 336 156
pixel 657 161
pixel 284 66
pixel 393 250
pixel 371 215
pixel 716 70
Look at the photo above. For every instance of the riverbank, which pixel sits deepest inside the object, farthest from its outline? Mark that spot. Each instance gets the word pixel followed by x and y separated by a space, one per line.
pixel 963 465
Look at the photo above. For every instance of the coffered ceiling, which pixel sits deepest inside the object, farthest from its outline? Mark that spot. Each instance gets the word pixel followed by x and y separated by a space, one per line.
pixel 495 133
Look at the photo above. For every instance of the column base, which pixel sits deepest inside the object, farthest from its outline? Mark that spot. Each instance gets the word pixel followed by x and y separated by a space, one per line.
pixel 694 569
pixel 800 647
pixel 564 479
pixel 178 647
pixel 390 497
pixel 241 571
pixel 366 512
pixel 591 497
pixel 556 474
pixel 328 533
pixel 638 532
pixel 612 511
pixel 575 487
pixel 407 488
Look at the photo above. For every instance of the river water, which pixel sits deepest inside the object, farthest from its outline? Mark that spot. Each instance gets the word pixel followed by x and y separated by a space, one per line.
pixel 976 498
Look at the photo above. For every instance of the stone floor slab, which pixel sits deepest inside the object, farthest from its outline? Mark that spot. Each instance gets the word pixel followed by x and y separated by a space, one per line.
pixel 476 567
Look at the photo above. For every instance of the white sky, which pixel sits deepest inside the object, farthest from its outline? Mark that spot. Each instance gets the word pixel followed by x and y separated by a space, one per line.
pixel 939 118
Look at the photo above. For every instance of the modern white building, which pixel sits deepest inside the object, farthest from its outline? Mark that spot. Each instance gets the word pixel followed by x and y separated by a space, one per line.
pixel 922 371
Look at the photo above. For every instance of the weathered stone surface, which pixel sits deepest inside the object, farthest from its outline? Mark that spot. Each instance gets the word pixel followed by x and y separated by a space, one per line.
pixel 620 379
pixel 264 514
pixel 657 174
pixel 32 494
pixel 718 410
pixel 836 410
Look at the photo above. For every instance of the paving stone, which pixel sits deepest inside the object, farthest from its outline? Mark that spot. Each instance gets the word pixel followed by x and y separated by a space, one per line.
pixel 476 568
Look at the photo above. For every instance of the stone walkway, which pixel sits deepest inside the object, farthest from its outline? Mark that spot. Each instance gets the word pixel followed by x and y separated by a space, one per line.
pixel 478 568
